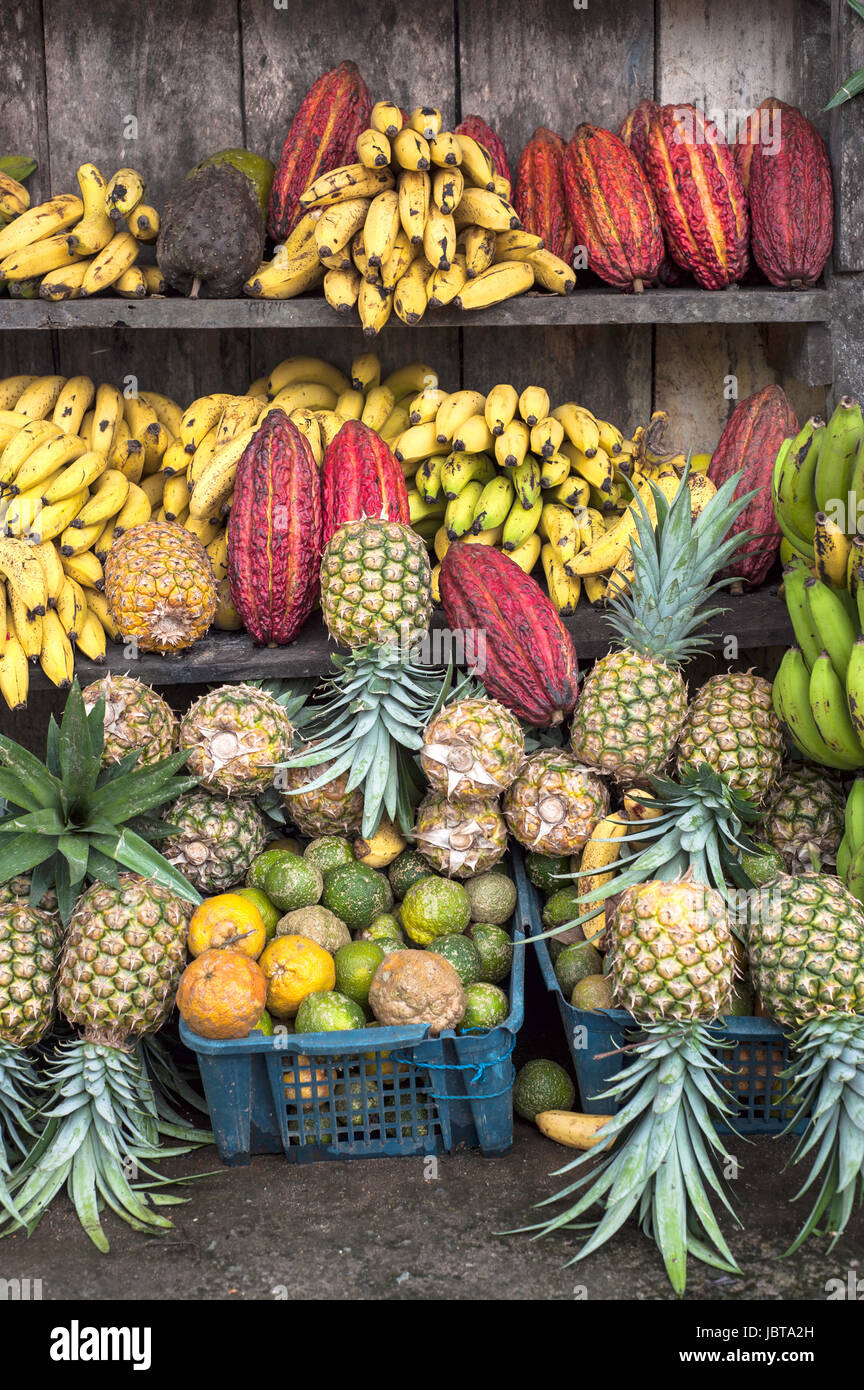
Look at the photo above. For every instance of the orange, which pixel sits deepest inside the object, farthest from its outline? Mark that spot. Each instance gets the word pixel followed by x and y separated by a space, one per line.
pixel 227 922
pixel 221 994
pixel 313 1083
pixel 294 967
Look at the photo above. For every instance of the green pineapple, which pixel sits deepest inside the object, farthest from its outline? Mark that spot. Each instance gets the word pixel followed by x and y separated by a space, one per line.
pixel 376 584
pixel 235 737
pixel 804 817
pixel 136 718
pixel 216 839
pixel 634 700
pixel 731 726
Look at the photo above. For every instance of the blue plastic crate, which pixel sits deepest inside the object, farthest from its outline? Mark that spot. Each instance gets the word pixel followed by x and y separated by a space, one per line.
pixel 756 1050
pixel 367 1094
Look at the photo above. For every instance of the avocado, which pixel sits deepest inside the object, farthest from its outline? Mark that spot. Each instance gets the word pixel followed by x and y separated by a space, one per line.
pixel 257 169
pixel 212 233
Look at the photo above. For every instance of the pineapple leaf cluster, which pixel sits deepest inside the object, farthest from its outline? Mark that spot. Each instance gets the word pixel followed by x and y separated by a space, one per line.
pixel 70 819
pixel 368 722
pixel 674 563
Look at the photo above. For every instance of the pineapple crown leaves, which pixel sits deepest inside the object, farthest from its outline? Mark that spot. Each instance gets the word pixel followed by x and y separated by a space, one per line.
pixel 702 827
pixel 665 1154
pixel 369 724
pixel 854 84
pixel 673 565
pixel 69 818
pixel 293 696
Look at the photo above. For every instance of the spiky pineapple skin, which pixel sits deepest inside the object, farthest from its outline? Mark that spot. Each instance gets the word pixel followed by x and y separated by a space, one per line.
pixel 672 954
pixel 122 959
pixel 472 747
pixel 555 803
pixel 219 837
pixel 29 951
pixel 461 838
pixel 376 584
pixel 17 890
pixel 160 587
pixel 236 737
pixel 136 718
pixel 803 814
pixel 629 715
pixel 806 945
pixel 731 726
pixel 328 810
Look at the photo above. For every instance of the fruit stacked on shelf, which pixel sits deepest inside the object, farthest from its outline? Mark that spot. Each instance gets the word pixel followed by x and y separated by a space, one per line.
pixel 819 689
pixel 421 220
pixel 70 247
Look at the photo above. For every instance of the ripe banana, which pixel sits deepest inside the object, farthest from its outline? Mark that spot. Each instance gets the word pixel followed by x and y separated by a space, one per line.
pixel 82 473
pixel 14 670
pixel 143 223
pixel 123 194
pixel 492 286
pixel 511 445
pixel 40 223
pixel 64 283
pixel 52 570
pixel 373 149
pixel 527 554
pixel 11 387
pixel 341 289
pixel 73 402
pixel 520 524
pixel 563 591
pixel 517 245
pixel 20 448
pixel 419 442
pixel 56 656
pixel 526 480
pixel 501 406
pixel 534 405
pixel 410 379
pixel 27 626
pixel 374 305
pixel 554 471
pixel 54 519
pixel 479 246
pixel 475 162
pixel 439 238
pixel 286 275
pixel 39 399
pixel 337 225
pixel 458 407
pixel 444 150
pixel 480 207
pixel 109 264
pixel 552 273
pixel 91 638
pixel 410 295
pixel 410 150
pixel 448 185
pixel 377 408
pixel 97 603
pixel 832 549
pixel 425 405
pixel 348 181
pixel 547 436
pixel 473 436
pixel 95 230
pixel 76 539
pixel 214 486
pixel 47 459
pixel 71 607
pixel 84 568
pixel 580 427
pixel 387 118
pixel 444 285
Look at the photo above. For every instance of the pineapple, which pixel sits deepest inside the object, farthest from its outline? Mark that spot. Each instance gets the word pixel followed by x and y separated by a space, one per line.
pixel 554 803
pixel 804 818
pixel 673 967
pixel 634 701
pixel 118 974
pixel 807 960
pixel 236 737
pixel 731 726
pixel 217 839
pixel 473 747
pixel 376 584
pixel 136 719
pixel 328 809
pixel 160 586
pixel 461 838
pixel 29 950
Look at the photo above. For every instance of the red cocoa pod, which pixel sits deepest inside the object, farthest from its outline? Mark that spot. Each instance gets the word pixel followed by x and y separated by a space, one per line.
pixel 791 203
pixel 476 127
pixel 323 136
pixel 274 532
pixel 634 128
pixel 699 194
pixel 527 659
pixel 761 126
pixel 539 193
pixel 753 434
pixel 610 205
pixel 361 478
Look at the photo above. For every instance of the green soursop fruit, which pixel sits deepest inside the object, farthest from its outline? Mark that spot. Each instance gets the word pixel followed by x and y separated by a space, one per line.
pixel 212 233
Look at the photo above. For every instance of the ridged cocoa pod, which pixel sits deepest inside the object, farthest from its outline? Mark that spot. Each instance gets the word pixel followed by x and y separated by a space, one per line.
pixel 760 124
pixel 634 127
pixel 539 193
pixel 274 532
pixel 476 127
pixel 610 205
pixel 527 660
pixel 791 203
pixel 323 136
pixel 699 195
pixel 753 434
pixel 361 478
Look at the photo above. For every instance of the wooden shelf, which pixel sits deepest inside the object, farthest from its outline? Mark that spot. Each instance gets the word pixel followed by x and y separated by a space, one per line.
pixel 738 304
pixel 758 619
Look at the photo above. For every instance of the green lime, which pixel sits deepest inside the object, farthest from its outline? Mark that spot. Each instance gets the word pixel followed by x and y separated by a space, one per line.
pixel 357 894
pixel 495 949
pixel 328 1011
pixel 356 964
pixel 462 955
pixel 269 914
pixel 328 852
pixel 433 907
pixel 406 869
pixel 264 1025
pixel 592 992
pixel 542 1085
pixel 762 864
pixel 384 925
pixel 562 907
pixel 261 865
pixel 574 963
pixel 492 897
pixel 544 870
pixel 293 883
pixel 485 1007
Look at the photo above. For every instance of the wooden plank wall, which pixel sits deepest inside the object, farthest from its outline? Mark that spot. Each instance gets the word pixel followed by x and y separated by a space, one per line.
pixel 199 76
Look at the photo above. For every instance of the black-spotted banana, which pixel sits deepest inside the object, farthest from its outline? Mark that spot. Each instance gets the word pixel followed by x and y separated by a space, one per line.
pixel 337 225
pixel 410 150
pixel 511 445
pixel 240 412
pixel 24 574
pixel 73 402
pixel 598 470
pixel 517 245
pixel 493 286
pixel 373 149
pixel 561 529
pixel 131 284
pixel 439 239
pixel 44 462
pixel 479 246
pixel 84 568
pixel 493 504
pixel 107 497
pixel 26 625
pixel 143 223
pixel 387 117
pixel 54 519
pixel 107 411
pixel 580 427
pixel 426 120
pixel 374 305
pixel 397 263
pixel 123 194
pixel 460 510
pixel 381 226
pixel 95 230
pixel 459 469
pixel 427 479
pixel 501 406
pixel 444 285
pixel 216 482
pixel 39 399
pixel 414 194
pixel 547 436
pixel 447 188
pixel 91 639
pixel 478 207
pixel 419 442
pixel 14 198
pixel 341 288
pixel 563 591
pixel 554 471
pixel 473 436
pixel 475 162
pixel 56 656
pixel 308 426
pixel 552 273
pixel 527 554
pixel 425 405
pixel 611 438
pixel 21 446
pixel 410 294
pixel 81 473
pixel 52 570
pixel 107 267
pixel 41 223
pixel 293 371
pixel 175 496
pixel 444 150
pixel 136 510
pixel 285 277
pixel 167 411
pixel 534 404
pixel 11 387
pixel 520 524
pixel 526 481
pixel 64 283
pixel 71 607
pixel 348 181
pixel 329 424
pixel 365 372
pixel 14 669
pixel 454 411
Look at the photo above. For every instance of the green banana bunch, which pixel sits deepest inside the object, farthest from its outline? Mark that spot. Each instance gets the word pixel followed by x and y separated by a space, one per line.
pixel 459 514
pixel 493 504
pixel 459 469
pixel 813 707
pixel 792 486
pixel 850 853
